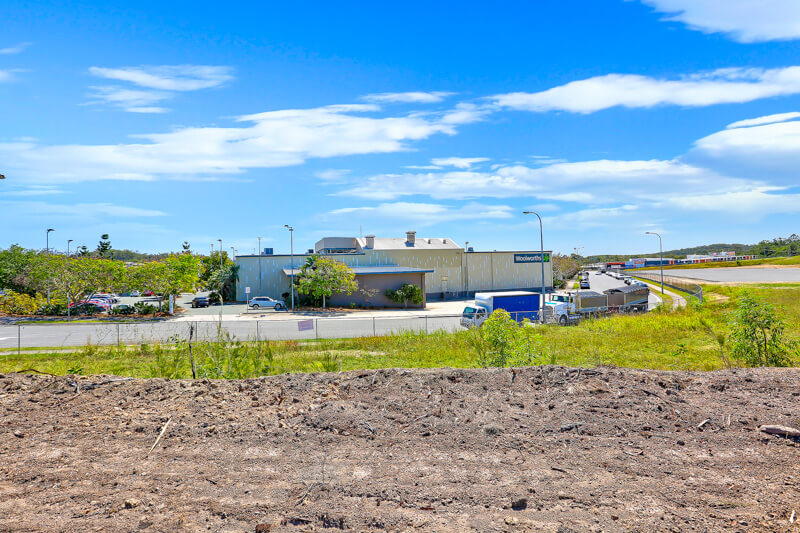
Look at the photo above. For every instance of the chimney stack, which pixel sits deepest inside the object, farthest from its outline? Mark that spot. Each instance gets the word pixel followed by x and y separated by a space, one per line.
pixel 411 238
pixel 370 241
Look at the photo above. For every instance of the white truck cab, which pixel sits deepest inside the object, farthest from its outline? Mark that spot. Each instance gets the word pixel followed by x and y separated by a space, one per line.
pixel 473 316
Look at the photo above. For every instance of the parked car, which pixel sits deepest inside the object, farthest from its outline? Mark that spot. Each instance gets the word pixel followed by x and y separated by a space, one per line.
pixel 148 293
pixel 200 301
pixel 585 284
pixel 258 302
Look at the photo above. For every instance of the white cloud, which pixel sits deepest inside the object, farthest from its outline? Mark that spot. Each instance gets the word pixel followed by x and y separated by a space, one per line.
pixel 458 162
pixel 131 100
pixel 769 119
pixel 758 202
pixel 158 82
pixel 420 97
pixel 15 49
pixel 723 86
pixel 169 77
pixel 271 139
pixel 34 191
pixel 771 150
pixel 84 211
pixel 745 21
pixel 333 175
pixel 600 181
pixel 424 214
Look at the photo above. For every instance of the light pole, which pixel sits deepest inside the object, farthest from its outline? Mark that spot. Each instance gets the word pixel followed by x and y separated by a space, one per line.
pixel 660 257
pixel 541 257
pixel 291 267
pixel 47 246
pixel 466 268
pixel 259 266
pixel 220 253
pixel 233 251
pixel 69 241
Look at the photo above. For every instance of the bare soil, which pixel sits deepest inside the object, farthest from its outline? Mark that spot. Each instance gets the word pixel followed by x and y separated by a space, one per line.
pixel 548 449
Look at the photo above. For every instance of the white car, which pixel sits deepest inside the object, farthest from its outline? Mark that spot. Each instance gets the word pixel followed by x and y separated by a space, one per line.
pixel 258 302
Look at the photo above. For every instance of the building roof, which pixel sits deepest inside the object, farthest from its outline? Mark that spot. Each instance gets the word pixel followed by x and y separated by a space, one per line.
pixel 367 270
pixel 400 243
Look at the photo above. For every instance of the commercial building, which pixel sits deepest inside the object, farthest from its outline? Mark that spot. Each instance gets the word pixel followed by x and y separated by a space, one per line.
pixel 440 266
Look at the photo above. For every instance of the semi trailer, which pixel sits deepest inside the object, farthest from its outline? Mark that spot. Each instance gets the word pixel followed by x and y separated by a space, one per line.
pixel 628 298
pixel 520 305
pixel 570 307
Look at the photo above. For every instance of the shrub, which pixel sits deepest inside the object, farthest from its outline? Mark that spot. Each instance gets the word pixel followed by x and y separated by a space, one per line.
pixel 127 310
pixel 757 334
pixel 53 309
pixel 407 292
pixel 14 303
pixel 144 308
pixel 501 341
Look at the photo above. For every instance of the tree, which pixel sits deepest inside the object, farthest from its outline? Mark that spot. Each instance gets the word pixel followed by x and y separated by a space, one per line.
pixel 15 262
pixel 323 277
pixel 83 250
pixel 104 246
pixel 75 278
pixel 177 273
pixel 407 292
pixel 187 248
pixel 210 265
pixel 564 266
pixel 757 334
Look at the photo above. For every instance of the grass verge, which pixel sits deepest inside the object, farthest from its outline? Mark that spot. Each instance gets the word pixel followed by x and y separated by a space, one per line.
pixel 682 339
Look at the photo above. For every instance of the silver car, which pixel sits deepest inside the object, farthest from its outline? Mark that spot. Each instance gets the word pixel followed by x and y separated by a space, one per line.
pixel 258 302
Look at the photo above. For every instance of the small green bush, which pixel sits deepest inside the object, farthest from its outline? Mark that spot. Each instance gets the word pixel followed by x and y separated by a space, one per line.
pixel 53 309
pixel 757 334
pixel 144 308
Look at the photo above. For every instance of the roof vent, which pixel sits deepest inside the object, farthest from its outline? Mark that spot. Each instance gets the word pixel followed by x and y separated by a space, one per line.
pixel 444 241
pixel 411 238
pixel 370 241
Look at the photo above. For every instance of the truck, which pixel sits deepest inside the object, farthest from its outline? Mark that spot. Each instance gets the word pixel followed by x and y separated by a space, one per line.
pixel 628 298
pixel 571 306
pixel 520 305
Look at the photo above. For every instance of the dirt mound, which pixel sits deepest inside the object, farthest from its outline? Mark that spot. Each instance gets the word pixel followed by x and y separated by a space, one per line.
pixel 549 448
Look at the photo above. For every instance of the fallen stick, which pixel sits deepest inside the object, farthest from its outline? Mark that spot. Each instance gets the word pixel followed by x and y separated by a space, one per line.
pixel 703 423
pixel 783 431
pixel 791 518
pixel 163 430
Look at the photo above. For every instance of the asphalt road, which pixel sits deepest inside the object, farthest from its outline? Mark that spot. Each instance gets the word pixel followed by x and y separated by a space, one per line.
pixel 292 328
pixel 738 274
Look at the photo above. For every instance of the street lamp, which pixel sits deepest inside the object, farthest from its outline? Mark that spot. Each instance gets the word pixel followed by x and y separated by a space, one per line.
pixel 47 246
pixel 233 251
pixel 541 257
pixel 69 241
pixel 220 252
pixel 259 266
pixel 291 266
pixel 660 257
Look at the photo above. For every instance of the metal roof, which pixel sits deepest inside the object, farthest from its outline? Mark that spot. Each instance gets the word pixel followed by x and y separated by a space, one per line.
pixel 627 288
pixel 368 270
pixel 400 243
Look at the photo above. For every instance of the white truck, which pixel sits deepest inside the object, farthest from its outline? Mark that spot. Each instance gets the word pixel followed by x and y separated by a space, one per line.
pixel 569 307
pixel 520 305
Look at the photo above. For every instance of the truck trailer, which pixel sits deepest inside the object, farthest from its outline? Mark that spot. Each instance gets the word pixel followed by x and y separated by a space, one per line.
pixel 628 299
pixel 570 307
pixel 520 305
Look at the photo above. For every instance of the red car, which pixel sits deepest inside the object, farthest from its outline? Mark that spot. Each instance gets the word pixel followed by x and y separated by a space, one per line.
pixel 147 293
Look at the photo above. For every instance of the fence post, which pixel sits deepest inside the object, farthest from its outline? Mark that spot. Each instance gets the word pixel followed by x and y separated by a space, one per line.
pixel 373 327
pixel 19 340
pixel 426 324
pixel 258 339
pixel 316 331
pixel 118 343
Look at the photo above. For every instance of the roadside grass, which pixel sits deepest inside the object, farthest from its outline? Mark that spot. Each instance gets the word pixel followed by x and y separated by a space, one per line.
pixel 721 264
pixel 681 339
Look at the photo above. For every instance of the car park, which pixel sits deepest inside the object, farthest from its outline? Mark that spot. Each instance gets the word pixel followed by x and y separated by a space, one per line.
pixel 258 302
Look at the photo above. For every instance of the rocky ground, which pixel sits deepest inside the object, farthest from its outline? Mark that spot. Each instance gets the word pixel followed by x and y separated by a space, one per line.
pixel 550 449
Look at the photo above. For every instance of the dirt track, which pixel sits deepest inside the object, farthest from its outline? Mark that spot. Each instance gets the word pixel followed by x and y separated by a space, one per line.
pixel 548 448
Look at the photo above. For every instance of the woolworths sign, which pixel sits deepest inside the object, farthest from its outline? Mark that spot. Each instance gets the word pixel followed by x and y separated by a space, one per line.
pixel 531 258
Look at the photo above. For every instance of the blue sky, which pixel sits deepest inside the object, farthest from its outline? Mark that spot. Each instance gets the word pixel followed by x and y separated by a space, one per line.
pixel 160 123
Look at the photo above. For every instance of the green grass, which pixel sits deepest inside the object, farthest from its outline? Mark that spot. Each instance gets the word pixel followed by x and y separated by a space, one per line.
pixel 663 339
pixel 751 262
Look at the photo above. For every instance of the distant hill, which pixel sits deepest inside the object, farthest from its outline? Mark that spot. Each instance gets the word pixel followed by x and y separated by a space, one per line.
pixel 780 246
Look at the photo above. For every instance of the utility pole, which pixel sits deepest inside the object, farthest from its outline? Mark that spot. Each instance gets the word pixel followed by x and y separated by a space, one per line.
pixel 291 252
pixel 69 241
pixel 541 257
pixel 220 253
pixel 660 257
pixel 466 268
